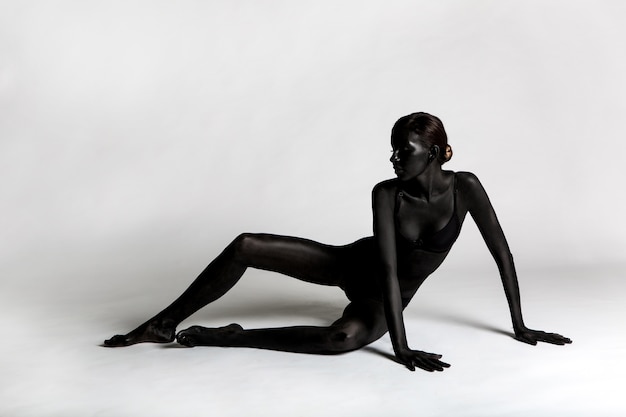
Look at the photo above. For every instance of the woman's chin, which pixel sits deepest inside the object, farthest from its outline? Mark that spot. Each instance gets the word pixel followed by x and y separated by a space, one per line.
pixel 401 174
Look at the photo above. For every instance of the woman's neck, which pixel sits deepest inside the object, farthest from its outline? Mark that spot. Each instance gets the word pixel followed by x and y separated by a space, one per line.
pixel 429 183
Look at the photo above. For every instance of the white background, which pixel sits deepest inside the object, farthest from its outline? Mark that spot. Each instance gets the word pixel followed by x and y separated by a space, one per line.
pixel 137 138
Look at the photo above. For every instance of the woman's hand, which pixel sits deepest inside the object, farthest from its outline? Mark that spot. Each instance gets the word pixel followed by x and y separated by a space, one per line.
pixel 416 358
pixel 533 336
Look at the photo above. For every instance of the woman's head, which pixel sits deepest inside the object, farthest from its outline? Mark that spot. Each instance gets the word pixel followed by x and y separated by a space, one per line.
pixel 429 130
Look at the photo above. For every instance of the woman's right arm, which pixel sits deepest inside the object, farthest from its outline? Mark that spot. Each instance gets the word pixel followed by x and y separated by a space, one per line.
pixel 384 234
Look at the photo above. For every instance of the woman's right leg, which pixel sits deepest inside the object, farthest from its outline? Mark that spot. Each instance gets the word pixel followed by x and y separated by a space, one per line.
pixel 299 258
pixel 362 322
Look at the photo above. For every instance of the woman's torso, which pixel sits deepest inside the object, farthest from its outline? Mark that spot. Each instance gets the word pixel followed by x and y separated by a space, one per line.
pixel 424 231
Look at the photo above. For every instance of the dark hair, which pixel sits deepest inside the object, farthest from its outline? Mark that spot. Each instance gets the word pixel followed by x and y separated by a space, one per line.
pixel 430 130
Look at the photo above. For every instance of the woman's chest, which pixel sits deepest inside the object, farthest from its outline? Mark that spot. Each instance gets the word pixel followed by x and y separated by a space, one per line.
pixel 417 218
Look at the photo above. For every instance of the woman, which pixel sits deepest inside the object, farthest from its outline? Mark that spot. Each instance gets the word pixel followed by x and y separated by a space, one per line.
pixel 417 218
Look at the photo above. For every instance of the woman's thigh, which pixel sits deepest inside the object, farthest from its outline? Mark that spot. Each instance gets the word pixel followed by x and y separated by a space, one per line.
pixel 303 259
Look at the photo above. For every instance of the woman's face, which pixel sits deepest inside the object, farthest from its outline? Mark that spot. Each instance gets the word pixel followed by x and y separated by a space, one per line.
pixel 410 155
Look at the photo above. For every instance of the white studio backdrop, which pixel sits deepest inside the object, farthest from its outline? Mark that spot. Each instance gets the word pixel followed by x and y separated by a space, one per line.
pixel 193 121
pixel 160 127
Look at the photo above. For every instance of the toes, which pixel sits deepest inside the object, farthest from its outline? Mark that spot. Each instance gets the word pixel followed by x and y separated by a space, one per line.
pixel 117 340
pixel 184 339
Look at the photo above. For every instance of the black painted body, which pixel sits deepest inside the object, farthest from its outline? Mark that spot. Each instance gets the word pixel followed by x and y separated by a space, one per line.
pixel 417 217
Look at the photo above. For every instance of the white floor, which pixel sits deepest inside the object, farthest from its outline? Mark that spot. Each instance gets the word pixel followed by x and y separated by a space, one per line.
pixel 53 365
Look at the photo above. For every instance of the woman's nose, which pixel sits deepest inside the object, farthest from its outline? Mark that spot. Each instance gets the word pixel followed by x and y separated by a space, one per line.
pixel 394 157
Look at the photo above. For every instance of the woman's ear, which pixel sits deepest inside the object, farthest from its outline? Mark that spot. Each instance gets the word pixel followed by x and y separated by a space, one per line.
pixel 433 153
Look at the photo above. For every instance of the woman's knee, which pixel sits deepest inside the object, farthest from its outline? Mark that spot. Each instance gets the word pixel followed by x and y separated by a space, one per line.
pixel 348 337
pixel 244 245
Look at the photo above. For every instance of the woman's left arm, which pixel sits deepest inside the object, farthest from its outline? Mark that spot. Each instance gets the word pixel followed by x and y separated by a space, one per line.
pixel 484 215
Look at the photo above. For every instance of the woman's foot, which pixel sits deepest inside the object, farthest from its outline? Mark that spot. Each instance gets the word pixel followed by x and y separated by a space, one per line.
pixel 155 331
pixel 204 336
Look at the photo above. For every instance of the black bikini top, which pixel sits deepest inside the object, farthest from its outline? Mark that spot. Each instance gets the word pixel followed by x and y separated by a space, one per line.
pixel 440 241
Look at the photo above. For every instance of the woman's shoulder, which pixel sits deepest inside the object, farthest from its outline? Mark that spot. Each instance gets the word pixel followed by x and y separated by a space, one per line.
pixel 467 180
pixel 387 186
pixel 385 191
pixel 461 180
pixel 470 190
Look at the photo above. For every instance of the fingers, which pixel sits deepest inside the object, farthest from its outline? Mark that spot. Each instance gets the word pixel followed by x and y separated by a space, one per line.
pixel 427 361
pixel 431 365
pixel 554 338
pixel 435 365
pixel 535 336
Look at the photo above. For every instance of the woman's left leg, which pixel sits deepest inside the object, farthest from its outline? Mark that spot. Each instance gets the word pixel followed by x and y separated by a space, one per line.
pixel 362 323
pixel 299 258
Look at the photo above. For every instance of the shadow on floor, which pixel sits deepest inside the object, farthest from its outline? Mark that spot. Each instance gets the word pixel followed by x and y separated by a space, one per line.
pixel 465 321
pixel 311 313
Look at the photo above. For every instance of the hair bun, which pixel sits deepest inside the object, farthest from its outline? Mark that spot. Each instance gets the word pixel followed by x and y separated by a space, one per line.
pixel 447 155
